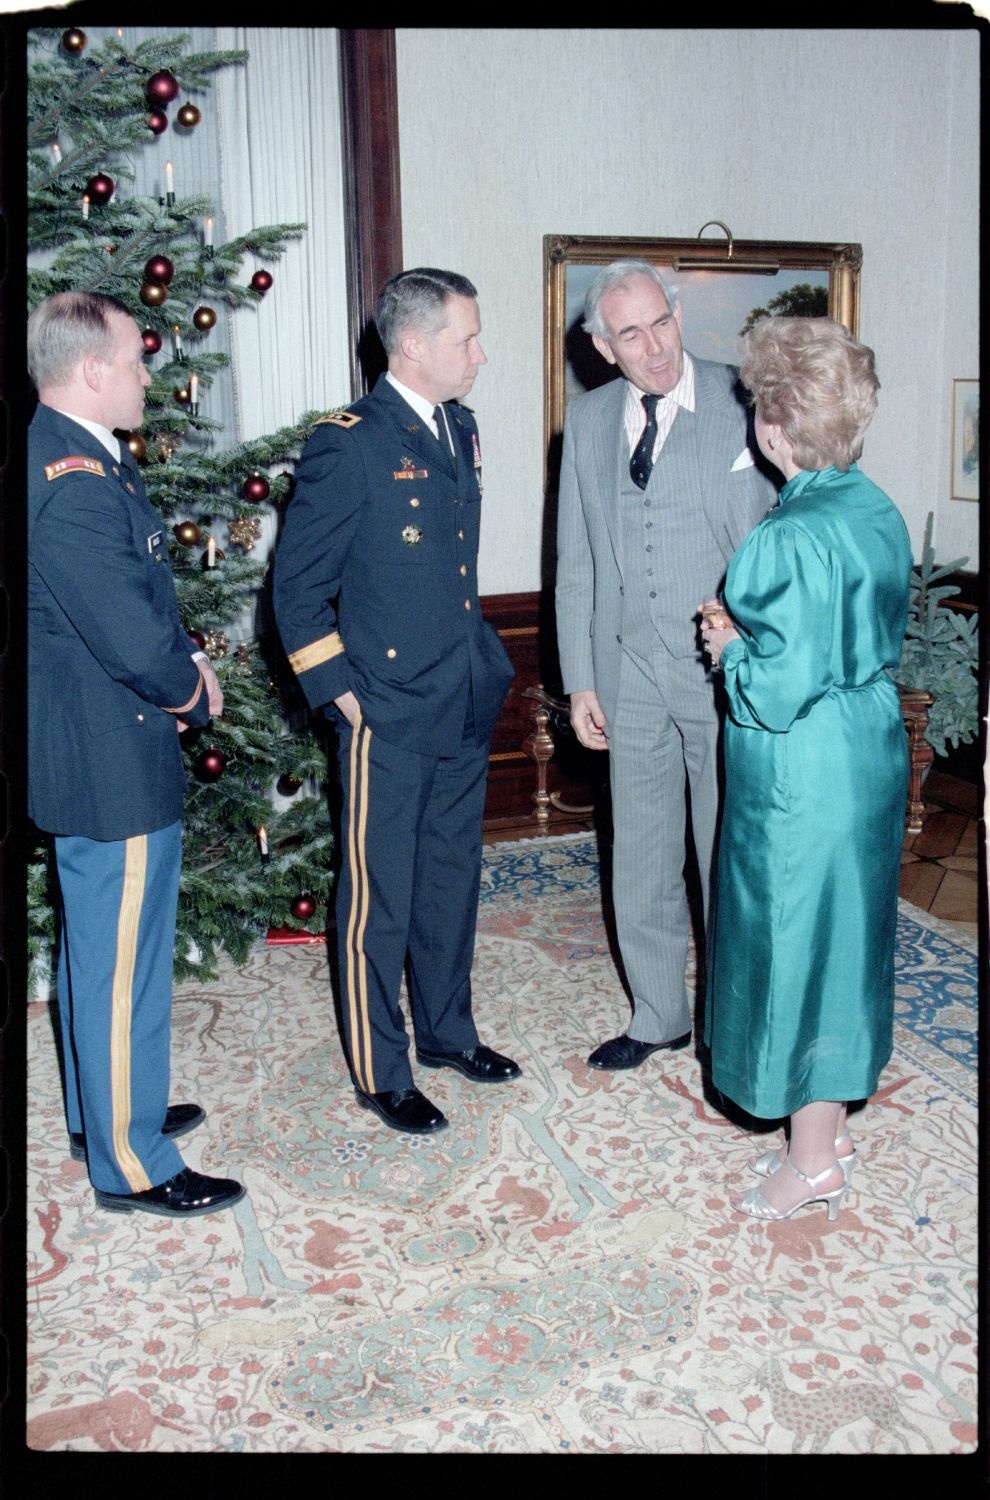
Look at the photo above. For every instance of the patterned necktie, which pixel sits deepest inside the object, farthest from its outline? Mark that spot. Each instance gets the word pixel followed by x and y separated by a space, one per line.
pixel 641 463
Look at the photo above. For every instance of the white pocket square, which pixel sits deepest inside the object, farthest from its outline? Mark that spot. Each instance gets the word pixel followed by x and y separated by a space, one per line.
pixel 744 461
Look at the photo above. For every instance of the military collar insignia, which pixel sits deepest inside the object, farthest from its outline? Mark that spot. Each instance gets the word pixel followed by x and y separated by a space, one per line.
pixel 75 463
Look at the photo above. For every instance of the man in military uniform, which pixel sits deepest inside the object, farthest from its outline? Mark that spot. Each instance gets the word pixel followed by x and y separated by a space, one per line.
pixel 377 602
pixel 112 680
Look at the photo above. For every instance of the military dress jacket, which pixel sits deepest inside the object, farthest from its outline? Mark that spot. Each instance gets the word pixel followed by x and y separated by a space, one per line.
pixel 376 575
pixel 109 665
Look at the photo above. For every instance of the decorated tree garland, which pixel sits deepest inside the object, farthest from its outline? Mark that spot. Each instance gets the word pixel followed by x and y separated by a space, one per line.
pixel 248 866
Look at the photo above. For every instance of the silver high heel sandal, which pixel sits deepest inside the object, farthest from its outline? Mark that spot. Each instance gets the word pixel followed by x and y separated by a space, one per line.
pixel 768 1163
pixel 757 1206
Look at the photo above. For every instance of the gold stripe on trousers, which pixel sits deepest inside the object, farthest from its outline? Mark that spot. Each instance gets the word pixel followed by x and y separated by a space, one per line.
pixel 357 967
pixel 122 1010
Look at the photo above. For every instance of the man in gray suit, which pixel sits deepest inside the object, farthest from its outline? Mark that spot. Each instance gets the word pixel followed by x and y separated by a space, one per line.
pixel 658 487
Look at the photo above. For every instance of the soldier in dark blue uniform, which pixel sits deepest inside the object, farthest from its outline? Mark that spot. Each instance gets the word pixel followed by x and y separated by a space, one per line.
pixel 376 596
pixel 111 682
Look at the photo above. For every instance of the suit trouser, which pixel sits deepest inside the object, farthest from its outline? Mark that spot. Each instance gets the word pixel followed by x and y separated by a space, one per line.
pixel 409 881
pixel 115 1001
pixel 665 726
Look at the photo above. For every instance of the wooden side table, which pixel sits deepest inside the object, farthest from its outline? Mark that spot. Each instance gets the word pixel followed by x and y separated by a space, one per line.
pixel 915 704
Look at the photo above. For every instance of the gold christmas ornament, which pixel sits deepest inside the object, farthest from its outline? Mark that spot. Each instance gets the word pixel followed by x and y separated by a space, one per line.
pixel 242 655
pixel 187 532
pixel 137 445
pixel 204 317
pixel 216 643
pixel 188 115
pixel 153 294
pixel 244 532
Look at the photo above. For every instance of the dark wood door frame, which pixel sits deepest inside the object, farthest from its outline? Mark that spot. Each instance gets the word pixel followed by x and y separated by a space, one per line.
pixel 372 200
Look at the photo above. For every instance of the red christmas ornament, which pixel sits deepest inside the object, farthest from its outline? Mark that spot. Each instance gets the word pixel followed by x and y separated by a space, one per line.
pixel 256 489
pixel 204 317
pixel 189 116
pixel 288 785
pixel 100 189
pixel 74 40
pixel 157 121
pixel 211 765
pixel 262 280
pixel 303 907
pixel 195 635
pixel 161 88
pixel 151 340
pixel 153 294
pixel 159 268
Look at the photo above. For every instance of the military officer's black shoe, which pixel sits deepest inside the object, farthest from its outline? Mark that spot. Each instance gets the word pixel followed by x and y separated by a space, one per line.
pixel 184 1196
pixel 179 1120
pixel 481 1064
pixel 405 1109
pixel 625 1052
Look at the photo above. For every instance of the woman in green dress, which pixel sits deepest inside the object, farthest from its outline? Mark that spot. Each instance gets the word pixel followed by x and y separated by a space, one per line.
pixel 801 973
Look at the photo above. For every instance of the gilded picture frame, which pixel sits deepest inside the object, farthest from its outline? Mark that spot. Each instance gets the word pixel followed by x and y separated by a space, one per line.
pixel 719 283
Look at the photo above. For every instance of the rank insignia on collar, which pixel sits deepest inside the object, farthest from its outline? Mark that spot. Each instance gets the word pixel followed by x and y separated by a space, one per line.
pixel 74 464
pixel 411 535
pixel 476 450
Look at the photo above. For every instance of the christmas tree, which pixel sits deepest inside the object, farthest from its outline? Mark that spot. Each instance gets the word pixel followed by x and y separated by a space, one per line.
pixel 248 865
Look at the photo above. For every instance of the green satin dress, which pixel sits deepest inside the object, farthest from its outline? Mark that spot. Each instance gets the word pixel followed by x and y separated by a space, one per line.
pixel 801 972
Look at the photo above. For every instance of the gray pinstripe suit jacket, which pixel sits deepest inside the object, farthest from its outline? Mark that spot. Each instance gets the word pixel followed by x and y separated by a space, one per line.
pixel 706 444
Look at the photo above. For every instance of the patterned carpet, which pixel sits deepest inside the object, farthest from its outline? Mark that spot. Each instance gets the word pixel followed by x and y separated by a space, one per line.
pixel 557 1272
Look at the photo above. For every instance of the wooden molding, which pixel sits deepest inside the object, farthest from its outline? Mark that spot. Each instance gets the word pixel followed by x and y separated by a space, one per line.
pixel 372 198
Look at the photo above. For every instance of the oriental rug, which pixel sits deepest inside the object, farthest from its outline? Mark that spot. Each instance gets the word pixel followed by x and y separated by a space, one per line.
pixel 558 1272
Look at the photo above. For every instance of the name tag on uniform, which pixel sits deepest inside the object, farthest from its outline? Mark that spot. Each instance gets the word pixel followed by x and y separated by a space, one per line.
pixel 154 541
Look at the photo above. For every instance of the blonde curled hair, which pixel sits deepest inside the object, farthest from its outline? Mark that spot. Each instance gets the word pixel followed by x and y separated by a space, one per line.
pixel 813 379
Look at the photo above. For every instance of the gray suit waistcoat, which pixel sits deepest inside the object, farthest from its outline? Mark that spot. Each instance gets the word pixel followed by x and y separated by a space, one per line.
pixel 591 570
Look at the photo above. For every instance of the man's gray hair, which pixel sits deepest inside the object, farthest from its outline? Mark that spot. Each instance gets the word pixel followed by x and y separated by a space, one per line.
pixel 64 329
pixel 417 299
pixel 615 275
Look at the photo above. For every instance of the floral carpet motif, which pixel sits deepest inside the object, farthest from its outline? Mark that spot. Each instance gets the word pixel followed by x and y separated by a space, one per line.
pixel 560 1271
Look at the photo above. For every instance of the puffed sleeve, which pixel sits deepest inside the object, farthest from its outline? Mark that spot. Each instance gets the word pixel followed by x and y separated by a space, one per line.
pixel 320 524
pixel 779 591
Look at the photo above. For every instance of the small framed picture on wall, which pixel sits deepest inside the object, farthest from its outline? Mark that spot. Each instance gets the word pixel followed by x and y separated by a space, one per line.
pixel 965 440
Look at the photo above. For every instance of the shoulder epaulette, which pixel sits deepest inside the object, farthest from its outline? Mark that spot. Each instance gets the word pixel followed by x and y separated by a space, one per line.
pixel 339 418
pixel 74 463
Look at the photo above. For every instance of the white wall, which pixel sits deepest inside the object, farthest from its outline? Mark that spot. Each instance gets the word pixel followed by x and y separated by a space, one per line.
pixel 867 136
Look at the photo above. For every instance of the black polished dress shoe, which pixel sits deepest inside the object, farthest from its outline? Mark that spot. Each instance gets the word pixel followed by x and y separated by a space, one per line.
pixel 625 1052
pixel 184 1196
pixel 179 1120
pixel 405 1109
pixel 481 1064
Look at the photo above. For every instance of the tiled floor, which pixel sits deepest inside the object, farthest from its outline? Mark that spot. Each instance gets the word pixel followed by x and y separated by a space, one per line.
pixel 939 865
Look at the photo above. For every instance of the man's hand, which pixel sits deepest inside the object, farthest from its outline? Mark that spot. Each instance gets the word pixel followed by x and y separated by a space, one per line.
pixel 214 692
pixel 588 721
pixel 348 705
